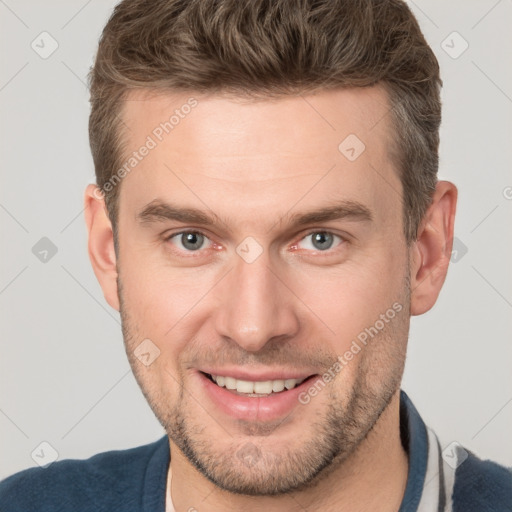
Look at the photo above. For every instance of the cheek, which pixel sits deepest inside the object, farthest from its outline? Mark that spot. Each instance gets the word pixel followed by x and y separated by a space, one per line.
pixel 167 304
pixel 163 303
pixel 352 297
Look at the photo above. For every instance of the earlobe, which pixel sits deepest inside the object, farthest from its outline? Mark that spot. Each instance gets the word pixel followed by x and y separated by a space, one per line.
pixel 430 254
pixel 101 244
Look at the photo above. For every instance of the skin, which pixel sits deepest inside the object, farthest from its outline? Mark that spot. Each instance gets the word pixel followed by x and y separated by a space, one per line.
pixel 255 165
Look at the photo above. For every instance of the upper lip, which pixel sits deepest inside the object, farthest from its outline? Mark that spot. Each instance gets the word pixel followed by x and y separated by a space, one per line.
pixel 259 376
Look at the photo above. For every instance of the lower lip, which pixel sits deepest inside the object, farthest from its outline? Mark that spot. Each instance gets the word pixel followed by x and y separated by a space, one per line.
pixel 266 408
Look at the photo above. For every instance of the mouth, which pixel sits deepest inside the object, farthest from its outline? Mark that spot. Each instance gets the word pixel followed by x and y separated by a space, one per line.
pixel 255 389
pixel 256 400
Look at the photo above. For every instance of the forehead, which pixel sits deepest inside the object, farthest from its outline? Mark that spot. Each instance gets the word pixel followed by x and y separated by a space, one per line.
pixel 324 146
pixel 264 125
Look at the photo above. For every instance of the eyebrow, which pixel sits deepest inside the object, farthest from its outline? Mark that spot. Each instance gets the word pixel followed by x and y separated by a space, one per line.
pixel 344 210
pixel 158 210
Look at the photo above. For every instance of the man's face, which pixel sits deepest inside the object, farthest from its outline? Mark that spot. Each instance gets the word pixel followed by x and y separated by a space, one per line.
pixel 256 295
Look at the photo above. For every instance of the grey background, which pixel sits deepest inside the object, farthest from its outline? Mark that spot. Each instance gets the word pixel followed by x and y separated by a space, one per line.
pixel 64 376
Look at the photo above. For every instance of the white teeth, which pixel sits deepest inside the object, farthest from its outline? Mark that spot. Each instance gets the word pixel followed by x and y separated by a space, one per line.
pixel 263 387
pixel 277 385
pixel 250 387
pixel 244 386
pixel 289 383
pixel 229 382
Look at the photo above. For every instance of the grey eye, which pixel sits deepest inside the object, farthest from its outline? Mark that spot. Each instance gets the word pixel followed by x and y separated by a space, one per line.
pixel 322 240
pixel 191 241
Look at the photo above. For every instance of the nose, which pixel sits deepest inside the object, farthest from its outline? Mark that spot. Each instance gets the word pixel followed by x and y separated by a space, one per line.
pixel 255 305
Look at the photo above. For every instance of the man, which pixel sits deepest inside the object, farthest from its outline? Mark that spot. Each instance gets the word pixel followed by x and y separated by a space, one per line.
pixel 266 219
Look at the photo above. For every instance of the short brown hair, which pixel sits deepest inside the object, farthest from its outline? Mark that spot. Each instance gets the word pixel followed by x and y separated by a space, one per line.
pixel 268 48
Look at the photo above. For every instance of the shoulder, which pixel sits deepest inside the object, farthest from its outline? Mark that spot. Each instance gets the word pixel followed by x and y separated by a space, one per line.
pixel 482 485
pixel 102 482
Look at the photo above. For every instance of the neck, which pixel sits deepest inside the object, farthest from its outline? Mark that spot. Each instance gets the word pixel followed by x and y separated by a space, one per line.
pixel 374 477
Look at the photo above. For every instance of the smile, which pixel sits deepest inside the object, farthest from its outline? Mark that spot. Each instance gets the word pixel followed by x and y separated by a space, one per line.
pixel 254 388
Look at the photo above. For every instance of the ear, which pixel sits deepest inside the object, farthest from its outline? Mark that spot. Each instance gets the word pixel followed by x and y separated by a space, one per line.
pixel 431 252
pixel 101 243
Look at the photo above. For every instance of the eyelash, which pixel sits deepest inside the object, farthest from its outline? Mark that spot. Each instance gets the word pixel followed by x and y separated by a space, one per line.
pixel 327 252
pixel 191 253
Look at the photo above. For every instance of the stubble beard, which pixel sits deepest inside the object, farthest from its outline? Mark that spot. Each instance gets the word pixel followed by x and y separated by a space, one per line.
pixel 273 470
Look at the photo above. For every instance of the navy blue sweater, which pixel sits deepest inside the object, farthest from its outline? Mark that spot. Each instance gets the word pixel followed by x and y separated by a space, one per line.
pixel 451 480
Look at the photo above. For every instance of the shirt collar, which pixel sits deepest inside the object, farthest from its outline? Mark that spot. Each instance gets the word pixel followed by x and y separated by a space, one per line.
pixel 413 434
